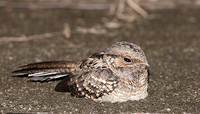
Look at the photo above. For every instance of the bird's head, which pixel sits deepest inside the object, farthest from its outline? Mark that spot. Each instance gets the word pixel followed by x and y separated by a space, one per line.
pixel 127 55
pixel 128 62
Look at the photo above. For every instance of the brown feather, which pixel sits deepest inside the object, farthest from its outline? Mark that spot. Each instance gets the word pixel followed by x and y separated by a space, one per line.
pixel 65 66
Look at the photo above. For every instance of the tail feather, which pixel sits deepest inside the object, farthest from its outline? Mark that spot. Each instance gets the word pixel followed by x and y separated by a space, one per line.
pixel 48 77
pixel 45 71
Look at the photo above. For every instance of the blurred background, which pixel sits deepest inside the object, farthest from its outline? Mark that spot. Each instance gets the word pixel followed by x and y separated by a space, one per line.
pixel 45 30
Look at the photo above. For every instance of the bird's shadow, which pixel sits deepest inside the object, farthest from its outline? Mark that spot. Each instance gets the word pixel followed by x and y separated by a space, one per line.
pixel 62 86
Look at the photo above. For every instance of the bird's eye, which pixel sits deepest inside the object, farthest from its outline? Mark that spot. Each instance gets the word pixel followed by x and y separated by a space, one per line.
pixel 127 60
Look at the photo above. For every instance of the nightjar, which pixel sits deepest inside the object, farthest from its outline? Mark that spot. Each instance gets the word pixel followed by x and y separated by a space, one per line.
pixel 116 74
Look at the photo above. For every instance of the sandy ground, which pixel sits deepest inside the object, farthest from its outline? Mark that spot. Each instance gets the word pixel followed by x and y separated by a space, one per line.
pixel 170 39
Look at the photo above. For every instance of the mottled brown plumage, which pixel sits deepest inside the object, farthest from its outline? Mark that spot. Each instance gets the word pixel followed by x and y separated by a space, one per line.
pixel 116 74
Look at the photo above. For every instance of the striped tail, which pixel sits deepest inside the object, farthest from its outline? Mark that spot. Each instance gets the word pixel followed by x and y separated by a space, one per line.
pixel 46 71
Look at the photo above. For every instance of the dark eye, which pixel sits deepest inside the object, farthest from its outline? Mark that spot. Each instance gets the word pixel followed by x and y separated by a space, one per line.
pixel 127 60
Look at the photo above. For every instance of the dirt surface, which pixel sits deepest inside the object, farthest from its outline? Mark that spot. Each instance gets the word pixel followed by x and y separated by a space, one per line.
pixel 170 39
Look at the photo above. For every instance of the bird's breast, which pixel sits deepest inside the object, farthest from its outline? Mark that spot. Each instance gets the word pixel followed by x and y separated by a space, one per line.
pixel 125 92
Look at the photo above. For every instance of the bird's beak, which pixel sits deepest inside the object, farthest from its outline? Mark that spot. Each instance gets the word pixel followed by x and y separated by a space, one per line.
pixel 145 64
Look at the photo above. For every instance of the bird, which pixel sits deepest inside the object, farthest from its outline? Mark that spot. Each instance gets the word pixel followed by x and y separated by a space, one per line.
pixel 118 73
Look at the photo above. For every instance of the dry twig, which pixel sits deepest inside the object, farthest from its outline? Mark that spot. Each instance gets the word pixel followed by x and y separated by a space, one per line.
pixel 132 4
pixel 27 38
pixel 121 12
pixel 66 31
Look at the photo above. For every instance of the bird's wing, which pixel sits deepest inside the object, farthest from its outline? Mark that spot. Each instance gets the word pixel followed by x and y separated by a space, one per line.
pixel 45 71
pixel 95 83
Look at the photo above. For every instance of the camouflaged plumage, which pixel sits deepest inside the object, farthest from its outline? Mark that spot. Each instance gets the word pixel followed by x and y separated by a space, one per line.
pixel 116 74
